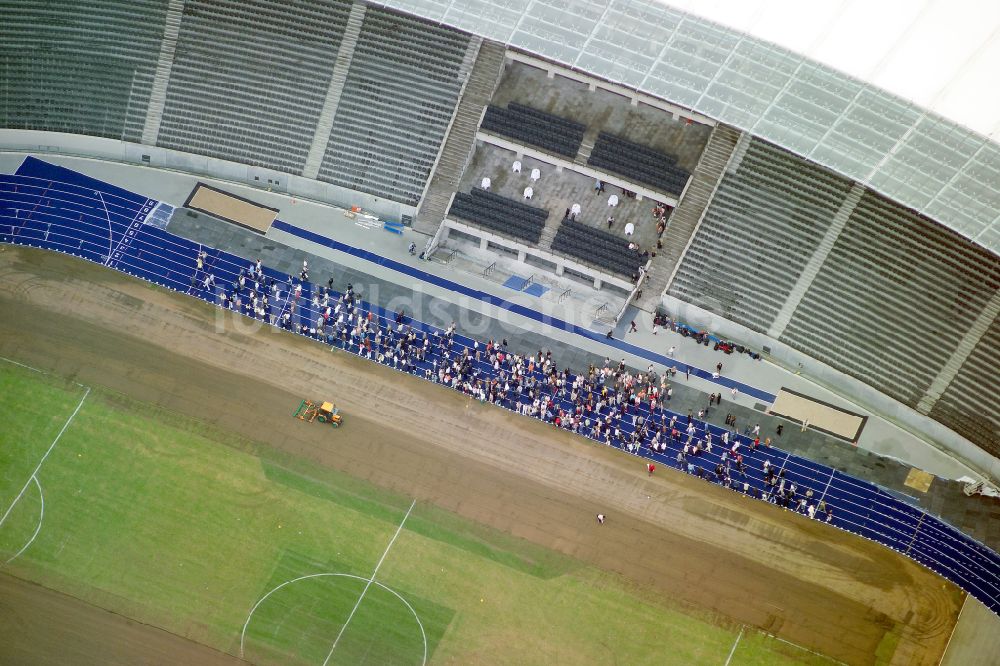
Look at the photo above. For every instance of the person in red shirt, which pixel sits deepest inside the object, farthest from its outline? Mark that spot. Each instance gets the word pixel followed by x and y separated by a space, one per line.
pixel 650 467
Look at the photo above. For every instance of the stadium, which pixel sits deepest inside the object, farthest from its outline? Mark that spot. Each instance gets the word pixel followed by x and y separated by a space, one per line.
pixel 411 332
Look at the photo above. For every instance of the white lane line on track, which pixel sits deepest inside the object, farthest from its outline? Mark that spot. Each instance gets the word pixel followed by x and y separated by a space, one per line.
pixel 42 461
pixel 368 584
pixel 41 517
pixel 111 233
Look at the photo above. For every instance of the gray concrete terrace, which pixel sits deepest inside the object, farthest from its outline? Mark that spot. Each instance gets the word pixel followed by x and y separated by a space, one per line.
pixel 603 111
pixel 557 191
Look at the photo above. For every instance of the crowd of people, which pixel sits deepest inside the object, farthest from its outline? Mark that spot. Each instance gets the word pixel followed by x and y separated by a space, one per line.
pixel 609 403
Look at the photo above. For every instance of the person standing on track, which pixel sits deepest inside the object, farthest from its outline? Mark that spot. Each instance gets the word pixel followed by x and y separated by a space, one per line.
pixel 600 519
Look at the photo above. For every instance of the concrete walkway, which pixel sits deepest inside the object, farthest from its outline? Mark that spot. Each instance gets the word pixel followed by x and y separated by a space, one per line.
pixel 583 343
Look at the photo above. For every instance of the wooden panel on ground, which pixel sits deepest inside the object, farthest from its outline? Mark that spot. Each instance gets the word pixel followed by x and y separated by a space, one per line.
pixel 231 208
pixel 918 479
pixel 820 415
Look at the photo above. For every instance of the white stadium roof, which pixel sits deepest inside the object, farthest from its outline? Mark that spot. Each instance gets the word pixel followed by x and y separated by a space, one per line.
pixel 943 55
pixel 896 94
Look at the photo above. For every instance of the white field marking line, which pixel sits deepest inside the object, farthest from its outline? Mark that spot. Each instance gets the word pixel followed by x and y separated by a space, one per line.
pixel 365 591
pixel 21 365
pixel 805 649
pixel 733 651
pixel 41 517
pixel 40 462
pixel 38 370
pixel 957 620
pixel 342 575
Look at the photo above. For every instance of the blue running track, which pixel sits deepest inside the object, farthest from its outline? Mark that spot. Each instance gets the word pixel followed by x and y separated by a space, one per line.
pixel 50 207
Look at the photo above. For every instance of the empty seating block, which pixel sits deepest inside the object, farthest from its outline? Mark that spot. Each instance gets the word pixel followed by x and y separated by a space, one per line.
pixel 597 248
pixel 400 93
pixel 249 79
pixel 893 300
pixel 499 214
pixel 638 163
pixel 971 404
pixel 536 128
pixel 82 68
pixel 757 235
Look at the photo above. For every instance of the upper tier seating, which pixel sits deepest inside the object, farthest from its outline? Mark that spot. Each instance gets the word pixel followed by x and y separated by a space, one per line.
pixel 971 404
pixel 596 247
pixel 500 214
pixel 638 163
pixel 536 128
pixel 79 67
pixel 398 99
pixel 757 235
pixel 893 300
pixel 249 80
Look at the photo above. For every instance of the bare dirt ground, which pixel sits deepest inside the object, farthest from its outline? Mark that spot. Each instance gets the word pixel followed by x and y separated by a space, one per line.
pixel 41 626
pixel 672 534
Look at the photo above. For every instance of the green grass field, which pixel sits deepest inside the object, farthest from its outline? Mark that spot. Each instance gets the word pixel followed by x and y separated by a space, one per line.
pixel 166 521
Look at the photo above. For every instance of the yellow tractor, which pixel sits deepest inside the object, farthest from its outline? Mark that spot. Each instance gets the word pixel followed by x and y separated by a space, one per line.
pixel 326 412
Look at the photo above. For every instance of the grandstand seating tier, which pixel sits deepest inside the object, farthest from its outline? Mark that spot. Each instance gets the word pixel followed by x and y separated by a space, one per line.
pixel 596 247
pixel 537 128
pixel 500 214
pixel 757 235
pixel 638 163
pixel 80 68
pixel 398 99
pixel 894 276
pixel 249 80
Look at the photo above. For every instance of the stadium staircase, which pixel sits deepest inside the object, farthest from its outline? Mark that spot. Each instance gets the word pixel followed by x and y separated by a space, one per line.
pixel 341 67
pixel 549 232
pixel 970 401
pixel 587 145
pixel 689 212
pixel 158 94
pixel 816 261
pixel 955 362
pixel 461 140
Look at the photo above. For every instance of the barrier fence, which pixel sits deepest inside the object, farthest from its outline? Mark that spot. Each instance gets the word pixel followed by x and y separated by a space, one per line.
pixel 57 209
